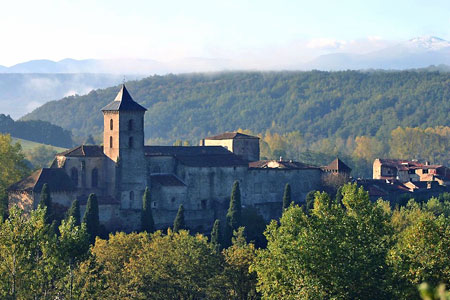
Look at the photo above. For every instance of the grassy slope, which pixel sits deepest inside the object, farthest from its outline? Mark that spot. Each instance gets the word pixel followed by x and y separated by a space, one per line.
pixel 29 145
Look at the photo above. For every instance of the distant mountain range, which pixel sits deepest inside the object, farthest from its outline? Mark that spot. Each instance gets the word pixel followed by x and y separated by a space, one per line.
pixel 418 52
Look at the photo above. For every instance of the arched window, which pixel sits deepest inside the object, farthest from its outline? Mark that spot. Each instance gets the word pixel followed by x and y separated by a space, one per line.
pixel 74 176
pixel 111 124
pixel 94 177
pixel 130 142
pixel 130 125
pixel 110 142
pixel 131 198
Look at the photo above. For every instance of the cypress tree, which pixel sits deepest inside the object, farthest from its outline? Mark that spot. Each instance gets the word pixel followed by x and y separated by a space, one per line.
pixel 234 213
pixel 45 201
pixel 216 235
pixel 338 198
pixel 287 196
pixel 179 224
pixel 74 211
pixel 3 207
pixel 91 218
pixel 147 223
pixel 310 200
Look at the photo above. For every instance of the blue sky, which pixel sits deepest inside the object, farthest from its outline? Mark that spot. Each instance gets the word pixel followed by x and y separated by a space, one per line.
pixel 170 30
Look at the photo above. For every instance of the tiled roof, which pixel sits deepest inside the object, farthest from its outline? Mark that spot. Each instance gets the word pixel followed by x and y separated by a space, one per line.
pixel 123 101
pixel 167 180
pixel 404 165
pixel 198 156
pixel 84 151
pixel 276 164
pixel 56 179
pixel 231 135
pixel 337 165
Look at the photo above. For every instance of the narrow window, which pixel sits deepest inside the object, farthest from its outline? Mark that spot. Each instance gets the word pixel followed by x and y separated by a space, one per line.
pixel 131 198
pixel 111 124
pixel 130 142
pixel 94 177
pixel 74 176
pixel 110 142
pixel 130 125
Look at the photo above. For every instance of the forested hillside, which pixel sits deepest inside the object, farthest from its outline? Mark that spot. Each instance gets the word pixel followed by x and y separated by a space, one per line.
pixel 318 104
pixel 36 131
pixel 309 116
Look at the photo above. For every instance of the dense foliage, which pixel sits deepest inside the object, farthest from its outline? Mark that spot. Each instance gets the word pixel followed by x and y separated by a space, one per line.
pixel 317 104
pixel 348 248
pixel 12 166
pixel 36 131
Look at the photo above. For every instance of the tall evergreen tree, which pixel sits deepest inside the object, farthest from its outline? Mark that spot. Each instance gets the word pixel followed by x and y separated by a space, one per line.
pixel 310 200
pixel 234 213
pixel 74 211
pixel 147 223
pixel 3 207
pixel 91 218
pixel 287 196
pixel 216 235
pixel 45 201
pixel 179 223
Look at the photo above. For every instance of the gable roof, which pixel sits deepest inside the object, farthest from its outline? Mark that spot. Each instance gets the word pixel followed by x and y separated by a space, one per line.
pixel 404 165
pixel 123 102
pixel 283 164
pixel 337 165
pixel 198 156
pixel 167 179
pixel 56 179
pixel 84 151
pixel 231 135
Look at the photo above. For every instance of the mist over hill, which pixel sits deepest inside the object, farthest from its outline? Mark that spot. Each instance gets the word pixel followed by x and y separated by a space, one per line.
pixel 317 104
pixel 21 93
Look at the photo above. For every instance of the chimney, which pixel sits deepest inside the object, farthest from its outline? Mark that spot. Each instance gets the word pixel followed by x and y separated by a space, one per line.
pixel 427 163
pixel 281 158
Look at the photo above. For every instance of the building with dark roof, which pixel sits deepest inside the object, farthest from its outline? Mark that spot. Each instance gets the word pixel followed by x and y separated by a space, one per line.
pixel 199 177
pixel 337 166
pixel 243 145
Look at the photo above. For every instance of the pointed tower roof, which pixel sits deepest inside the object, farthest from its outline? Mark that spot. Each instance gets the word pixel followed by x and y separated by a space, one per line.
pixel 338 165
pixel 123 102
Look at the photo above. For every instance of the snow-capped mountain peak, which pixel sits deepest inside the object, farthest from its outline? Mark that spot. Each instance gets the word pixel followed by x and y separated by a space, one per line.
pixel 427 43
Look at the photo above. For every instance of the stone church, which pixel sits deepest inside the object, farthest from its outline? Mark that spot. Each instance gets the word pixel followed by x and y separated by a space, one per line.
pixel 199 177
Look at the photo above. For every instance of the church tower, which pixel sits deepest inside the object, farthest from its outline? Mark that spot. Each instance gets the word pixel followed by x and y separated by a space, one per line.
pixel 123 137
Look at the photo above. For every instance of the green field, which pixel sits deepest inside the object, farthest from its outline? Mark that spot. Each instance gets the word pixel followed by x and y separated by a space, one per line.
pixel 28 145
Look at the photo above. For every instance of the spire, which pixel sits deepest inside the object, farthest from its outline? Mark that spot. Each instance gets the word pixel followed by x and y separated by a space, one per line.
pixel 123 101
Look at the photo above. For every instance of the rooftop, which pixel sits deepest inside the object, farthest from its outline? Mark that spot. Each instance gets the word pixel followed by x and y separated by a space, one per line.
pixel 280 164
pixel 56 179
pixel 84 151
pixel 402 164
pixel 123 102
pixel 231 135
pixel 198 156
pixel 167 180
pixel 337 165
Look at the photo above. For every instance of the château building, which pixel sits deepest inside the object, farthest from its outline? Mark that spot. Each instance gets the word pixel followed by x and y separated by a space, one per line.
pixel 199 177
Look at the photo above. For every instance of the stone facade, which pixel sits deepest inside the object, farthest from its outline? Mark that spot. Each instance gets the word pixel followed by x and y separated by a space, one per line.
pixel 199 177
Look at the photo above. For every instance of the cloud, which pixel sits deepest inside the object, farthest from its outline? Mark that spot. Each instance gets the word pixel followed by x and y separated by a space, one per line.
pixel 325 44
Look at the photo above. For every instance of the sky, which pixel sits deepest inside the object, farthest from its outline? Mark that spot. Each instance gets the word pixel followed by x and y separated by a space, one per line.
pixel 228 29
